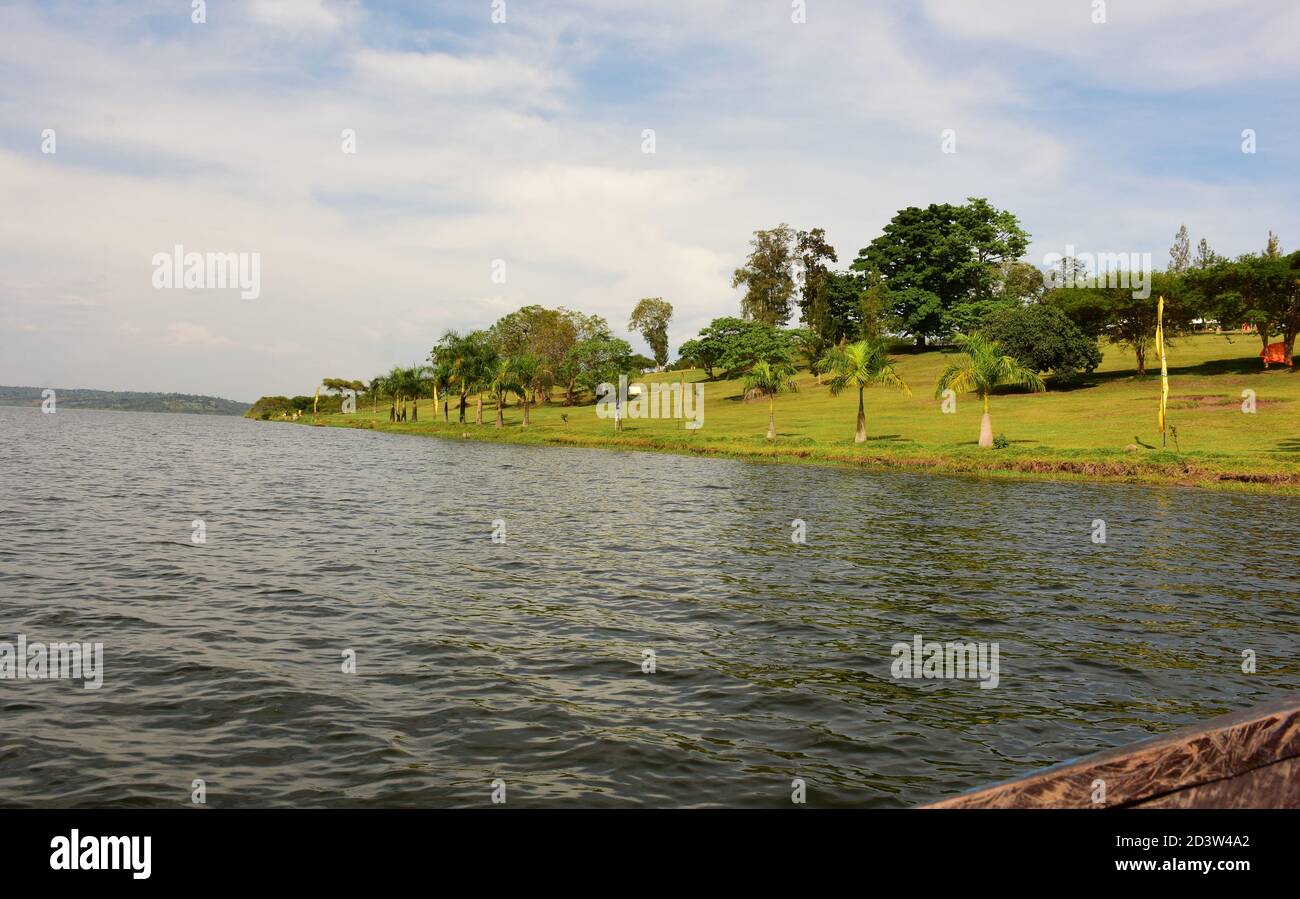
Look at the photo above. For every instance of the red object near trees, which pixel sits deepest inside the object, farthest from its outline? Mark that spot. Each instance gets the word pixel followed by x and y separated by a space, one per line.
pixel 1275 352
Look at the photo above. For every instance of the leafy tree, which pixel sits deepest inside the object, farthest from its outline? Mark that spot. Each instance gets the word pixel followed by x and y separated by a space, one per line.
pixel 932 259
pixel 735 344
pixel 1043 339
pixel 981 369
pixel 768 379
pixel 650 318
pixel 812 346
pixel 1100 309
pixel 1205 257
pixel 701 353
pixel 600 360
pixel 860 365
pixel 1261 290
pixel 814 252
pixel 768 276
pixel 1180 254
pixel 586 328
pixel 847 311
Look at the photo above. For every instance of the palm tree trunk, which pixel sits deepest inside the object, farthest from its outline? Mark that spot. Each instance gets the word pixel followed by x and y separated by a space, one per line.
pixel 861 435
pixel 446 414
pixel 415 408
pixel 771 416
pixel 986 426
pixel 463 403
pixel 525 413
pixel 501 419
pixel 478 413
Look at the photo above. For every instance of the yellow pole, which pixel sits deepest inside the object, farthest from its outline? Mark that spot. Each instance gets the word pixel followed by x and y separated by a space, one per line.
pixel 1164 367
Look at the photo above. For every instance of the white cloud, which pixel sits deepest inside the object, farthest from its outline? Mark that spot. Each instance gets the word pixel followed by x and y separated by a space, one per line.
pixel 523 143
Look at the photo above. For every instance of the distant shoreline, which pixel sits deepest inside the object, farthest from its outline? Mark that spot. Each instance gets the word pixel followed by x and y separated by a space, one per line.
pixel 123 400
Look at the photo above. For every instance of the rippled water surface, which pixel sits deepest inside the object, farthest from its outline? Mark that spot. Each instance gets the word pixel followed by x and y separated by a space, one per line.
pixel 522 661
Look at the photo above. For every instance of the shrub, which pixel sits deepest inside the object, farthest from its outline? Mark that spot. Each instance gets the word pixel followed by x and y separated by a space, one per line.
pixel 1044 339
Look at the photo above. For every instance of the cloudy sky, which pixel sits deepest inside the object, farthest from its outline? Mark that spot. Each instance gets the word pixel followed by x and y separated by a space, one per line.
pixel 523 141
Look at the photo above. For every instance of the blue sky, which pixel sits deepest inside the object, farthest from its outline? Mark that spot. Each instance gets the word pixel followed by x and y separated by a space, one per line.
pixel 522 141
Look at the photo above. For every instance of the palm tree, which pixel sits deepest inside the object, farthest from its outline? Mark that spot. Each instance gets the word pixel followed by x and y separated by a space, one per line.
pixel 981 370
pixel 770 378
pixel 504 380
pixel 469 361
pixel 860 365
pixel 394 383
pixel 375 388
pixel 417 381
pixel 528 371
pixel 440 375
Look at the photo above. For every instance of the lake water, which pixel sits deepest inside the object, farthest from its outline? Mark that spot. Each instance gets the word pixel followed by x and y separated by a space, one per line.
pixel 522 661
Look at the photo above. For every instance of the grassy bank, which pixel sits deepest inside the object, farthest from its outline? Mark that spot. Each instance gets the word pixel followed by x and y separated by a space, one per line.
pixel 1077 433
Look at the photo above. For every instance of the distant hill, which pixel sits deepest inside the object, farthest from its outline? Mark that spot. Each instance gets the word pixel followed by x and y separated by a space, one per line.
pixel 124 401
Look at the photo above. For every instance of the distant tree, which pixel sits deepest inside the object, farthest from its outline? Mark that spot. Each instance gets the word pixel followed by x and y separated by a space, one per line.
pixel 701 353
pixel 650 318
pixel 768 379
pixel 981 369
pixel 1205 257
pixel 1263 291
pixel 1273 250
pixel 858 366
pixel 768 276
pixel 1180 254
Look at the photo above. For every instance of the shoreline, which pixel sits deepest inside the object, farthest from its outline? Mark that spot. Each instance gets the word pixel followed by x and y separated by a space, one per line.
pixel 1170 469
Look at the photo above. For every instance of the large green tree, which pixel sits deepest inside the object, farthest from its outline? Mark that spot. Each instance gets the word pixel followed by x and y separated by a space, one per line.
pixel 813 254
pixel 736 344
pixel 768 276
pixel 650 319
pixel 936 259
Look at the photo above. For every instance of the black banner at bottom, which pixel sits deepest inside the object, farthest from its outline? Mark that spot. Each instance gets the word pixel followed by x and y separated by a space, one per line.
pixel 335 848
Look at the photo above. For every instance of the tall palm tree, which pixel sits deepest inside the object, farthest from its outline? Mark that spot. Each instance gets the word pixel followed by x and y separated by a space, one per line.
pixel 417 381
pixel 860 365
pixel 469 360
pixel 770 378
pixel 376 387
pixel 981 369
pixel 528 371
pixel 504 380
pixel 440 375
pixel 395 383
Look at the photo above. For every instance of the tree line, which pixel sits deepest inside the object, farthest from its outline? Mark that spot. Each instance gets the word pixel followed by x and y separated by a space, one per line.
pixel 943 273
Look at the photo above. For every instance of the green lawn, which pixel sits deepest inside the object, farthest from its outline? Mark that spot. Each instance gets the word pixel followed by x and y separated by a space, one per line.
pixel 1079 433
